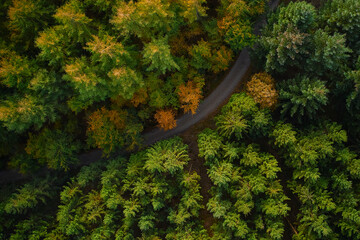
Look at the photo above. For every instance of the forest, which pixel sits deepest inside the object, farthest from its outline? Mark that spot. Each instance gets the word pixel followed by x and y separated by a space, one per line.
pixel 280 159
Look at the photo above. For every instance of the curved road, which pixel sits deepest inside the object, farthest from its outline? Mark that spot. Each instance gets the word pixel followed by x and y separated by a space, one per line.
pixel 208 106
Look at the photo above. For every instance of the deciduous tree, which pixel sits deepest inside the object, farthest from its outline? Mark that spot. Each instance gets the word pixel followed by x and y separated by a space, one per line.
pixel 166 119
pixel 189 96
pixel 201 55
pixel 221 59
pixel 104 129
pixel 262 88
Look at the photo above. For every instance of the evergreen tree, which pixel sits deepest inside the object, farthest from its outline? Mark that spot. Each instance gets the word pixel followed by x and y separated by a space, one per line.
pixel 157 54
pixel 27 18
pixel 302 98
pixel 342 16
pixel 55 148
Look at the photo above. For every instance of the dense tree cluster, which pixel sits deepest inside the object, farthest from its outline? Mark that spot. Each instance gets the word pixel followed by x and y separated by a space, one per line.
pixel 148 196
pixel 247 197
pixel 325 177
pixel 313 58
pixel 60 59
pixel 280 160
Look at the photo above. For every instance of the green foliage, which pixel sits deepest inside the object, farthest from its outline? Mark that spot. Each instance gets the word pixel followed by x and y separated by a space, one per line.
pixel 26 18
pixel 124 82
pixel 55 148
pixel 246 191
pixel 201 55
pixel 300 14
pixel 157 55
pixel 221 174
pixel 283 135
pixel 15 71
pixel 239 36
pixel 284 48
pixel 302 98
pixel 318 187
pixel 232 123
pixel 330 54
pixel 54 46
pixel 128 198
pixel 75 23
pixel 33 228
pixel 241 116
pixel 144 19
pixel 18 114
pixel 89 87
pixel 342 16
pixel 166 156
pixel 209 143
pixel 29 196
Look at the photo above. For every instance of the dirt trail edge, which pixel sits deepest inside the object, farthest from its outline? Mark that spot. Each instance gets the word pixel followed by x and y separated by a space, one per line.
pixel 208 106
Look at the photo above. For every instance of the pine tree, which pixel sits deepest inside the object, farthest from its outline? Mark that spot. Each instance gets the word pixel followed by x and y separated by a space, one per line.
pixel 302 98
pixel 75 24
pixel 108 52
pixel 193 10
pixel 302 15
pixel 15 71
pixel 18 114
pixel 26 18
pixel 90 88
pixel 55 148
pixel 284 48
pixel 209 143
pixel 29 196
pixel 331 53
pixel 167 156
pixel 342 16
pixel 124 82
pixel 145 19
pixel 157 54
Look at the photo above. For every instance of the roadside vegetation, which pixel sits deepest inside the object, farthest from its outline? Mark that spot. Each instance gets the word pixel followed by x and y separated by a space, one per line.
pixel 281 157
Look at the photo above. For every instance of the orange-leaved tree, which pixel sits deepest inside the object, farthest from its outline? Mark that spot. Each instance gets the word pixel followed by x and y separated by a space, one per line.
pixel 262 88
pixel 165 118
pixel 189 96
pixel 103 129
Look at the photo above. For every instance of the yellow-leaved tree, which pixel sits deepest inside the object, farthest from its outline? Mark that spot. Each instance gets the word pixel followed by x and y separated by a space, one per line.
pixel 189 96
pixel 262 88
pixel 165 118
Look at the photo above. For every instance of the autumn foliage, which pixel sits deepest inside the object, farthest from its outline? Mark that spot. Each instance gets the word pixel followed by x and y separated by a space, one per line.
pixel 140 97
pixel 103 129
pixel 221 59
pixel 262 88
pixel 189 96
pixel 166 119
